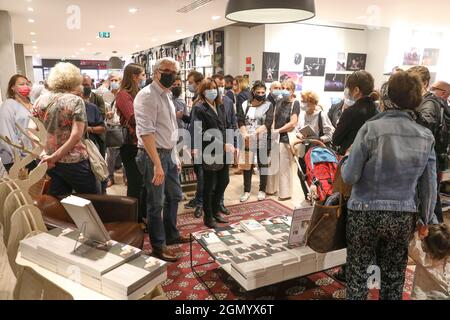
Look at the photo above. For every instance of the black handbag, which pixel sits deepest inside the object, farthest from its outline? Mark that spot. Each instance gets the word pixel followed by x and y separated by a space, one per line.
pixel 117 136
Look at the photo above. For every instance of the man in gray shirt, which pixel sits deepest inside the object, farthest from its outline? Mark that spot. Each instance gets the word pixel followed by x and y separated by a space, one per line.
pixel 157 132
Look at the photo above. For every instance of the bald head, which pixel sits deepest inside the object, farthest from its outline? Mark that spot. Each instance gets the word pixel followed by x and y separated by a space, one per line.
pixel 87 81
pixel 441 89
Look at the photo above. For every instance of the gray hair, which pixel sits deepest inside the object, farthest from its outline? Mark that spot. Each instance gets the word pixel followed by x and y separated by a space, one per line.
pixel 114 74
pixel 169 61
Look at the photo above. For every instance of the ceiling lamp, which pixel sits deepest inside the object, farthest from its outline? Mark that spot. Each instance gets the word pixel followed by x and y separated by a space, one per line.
pixel 270 11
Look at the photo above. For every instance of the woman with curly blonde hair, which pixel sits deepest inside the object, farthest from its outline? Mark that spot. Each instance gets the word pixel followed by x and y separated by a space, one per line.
pixel 64 116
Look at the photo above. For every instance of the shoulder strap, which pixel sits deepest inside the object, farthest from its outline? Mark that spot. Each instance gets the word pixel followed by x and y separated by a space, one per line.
pixel 320 125
pixel 247 106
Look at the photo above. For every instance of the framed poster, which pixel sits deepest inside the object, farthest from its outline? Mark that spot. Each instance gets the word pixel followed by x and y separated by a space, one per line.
pixel 335 82
pixel 356 61
pixel 430 57
pixel 297 77
pixel 412 57
pixel 300 222
pixel 314 67
pixel 271 67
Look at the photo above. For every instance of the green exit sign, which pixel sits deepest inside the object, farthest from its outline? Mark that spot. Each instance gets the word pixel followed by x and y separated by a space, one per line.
pixel 104 35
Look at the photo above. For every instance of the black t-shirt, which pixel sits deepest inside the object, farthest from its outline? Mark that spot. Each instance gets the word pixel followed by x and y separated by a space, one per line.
pixel 283 113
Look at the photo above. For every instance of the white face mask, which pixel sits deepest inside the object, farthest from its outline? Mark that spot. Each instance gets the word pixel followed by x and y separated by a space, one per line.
pixel 303 106
pixel 349 101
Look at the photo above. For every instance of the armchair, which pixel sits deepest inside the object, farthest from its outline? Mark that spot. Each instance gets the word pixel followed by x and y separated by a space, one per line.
pixel 119 215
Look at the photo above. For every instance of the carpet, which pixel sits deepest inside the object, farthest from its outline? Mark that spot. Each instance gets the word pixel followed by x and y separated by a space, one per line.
pixel 182 284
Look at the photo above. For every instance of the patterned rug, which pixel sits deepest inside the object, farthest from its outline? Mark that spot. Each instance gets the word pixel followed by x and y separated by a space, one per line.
pixel 182 283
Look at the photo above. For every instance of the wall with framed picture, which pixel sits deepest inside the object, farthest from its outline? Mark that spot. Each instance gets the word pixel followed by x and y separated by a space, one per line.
pixel 203 52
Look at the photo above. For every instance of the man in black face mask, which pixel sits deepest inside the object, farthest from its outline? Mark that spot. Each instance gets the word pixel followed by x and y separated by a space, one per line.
pixel 179 103
pixel 157 159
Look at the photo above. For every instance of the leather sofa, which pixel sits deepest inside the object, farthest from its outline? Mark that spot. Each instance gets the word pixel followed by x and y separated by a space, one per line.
pixel 119 215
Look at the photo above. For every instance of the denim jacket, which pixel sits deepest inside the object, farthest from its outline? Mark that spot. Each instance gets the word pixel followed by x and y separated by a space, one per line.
pixel 392 167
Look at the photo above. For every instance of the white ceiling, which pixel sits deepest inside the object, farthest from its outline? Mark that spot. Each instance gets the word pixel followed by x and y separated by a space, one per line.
pixel 156 22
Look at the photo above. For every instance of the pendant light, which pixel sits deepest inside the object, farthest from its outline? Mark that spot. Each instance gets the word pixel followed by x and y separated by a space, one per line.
pixel 270 11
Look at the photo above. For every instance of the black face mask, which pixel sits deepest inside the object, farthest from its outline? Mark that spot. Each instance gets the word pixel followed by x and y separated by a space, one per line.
pixel 228 88
pixel 176 91
pixel 167 79
pixel 259 98
pixel 87 91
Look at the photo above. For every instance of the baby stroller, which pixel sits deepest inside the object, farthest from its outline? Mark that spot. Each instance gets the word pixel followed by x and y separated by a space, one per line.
pixel 321 167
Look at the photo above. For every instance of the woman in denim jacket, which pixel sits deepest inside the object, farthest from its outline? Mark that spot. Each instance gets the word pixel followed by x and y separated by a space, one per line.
pixel 392 167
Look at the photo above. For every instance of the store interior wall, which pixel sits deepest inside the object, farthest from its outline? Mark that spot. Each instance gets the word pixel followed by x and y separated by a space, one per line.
pixel 314 41
pixel 240 43
pixel 7 56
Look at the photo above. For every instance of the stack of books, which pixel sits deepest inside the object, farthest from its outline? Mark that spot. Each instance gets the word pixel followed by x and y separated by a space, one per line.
pixel 134 278
pixel 114 269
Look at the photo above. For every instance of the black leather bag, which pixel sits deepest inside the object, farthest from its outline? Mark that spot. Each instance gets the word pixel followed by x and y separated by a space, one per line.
pixel 117 136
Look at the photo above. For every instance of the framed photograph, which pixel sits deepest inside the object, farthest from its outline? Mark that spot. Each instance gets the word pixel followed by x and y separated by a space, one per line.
pixel 298 58
pixel 314 67
pixel 430 57
pixel 412 57
pixel 356 61
pixel 271 66
pixel 341 62
pixel 297 77
pixel 335 82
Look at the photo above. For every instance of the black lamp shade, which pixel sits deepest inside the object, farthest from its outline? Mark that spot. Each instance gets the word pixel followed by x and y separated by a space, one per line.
pixel 270 11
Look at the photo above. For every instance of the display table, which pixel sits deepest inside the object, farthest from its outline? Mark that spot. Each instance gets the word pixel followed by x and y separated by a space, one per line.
pixel 76 290
pixel 261 257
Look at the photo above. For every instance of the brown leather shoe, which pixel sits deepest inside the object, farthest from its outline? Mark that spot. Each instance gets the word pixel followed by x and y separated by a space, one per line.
pixel 180 240
pixel 165 254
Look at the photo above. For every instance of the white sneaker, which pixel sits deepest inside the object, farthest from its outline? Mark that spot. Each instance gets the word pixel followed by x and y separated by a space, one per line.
pixel 261 196
pixel 245 197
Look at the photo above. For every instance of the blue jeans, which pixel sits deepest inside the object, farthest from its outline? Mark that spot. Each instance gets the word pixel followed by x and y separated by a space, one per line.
pixel 164 198
pixel 69 177
pixel 198 168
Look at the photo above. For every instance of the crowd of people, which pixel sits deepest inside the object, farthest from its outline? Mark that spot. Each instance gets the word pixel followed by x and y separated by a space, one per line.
pixel 393 143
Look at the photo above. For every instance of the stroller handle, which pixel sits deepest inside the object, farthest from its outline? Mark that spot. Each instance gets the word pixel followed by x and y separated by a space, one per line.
pixel 316 142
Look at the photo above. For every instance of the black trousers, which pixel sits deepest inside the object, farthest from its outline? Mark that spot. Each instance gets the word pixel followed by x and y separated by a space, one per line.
pixel 263 163
pixel 215 184
pixel 128 153
pixel 438 208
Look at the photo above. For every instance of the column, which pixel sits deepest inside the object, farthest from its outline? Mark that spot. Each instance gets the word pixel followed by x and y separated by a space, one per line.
pixel 29 68
pixel 20 58
pixel 7 58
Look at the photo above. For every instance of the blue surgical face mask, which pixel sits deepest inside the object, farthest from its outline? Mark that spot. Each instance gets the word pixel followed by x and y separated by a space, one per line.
pixel 143 83
pixel 286 94
pixel 221 91
pixel 115 86
pixel 277 93
pixel 211 94
pixel 191 88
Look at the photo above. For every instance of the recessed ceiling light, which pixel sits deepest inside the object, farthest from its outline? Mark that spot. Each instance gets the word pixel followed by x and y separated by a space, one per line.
pixel 34 41
pixel 215 17
pixel 30 9
pixel 132 10
pixel 138 46
pixel 111 26
pixel 32 33
pixel 89 44
pixel 31 20
pixel 82 49
pixel 179 31
pixel 154 40
pixel 34 47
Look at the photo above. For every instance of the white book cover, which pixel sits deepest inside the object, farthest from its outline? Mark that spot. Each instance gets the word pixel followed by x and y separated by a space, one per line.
pixel 252 225
pixel 86 218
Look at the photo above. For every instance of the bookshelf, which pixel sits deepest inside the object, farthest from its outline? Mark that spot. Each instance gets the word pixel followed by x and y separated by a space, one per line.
pixel 188 178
